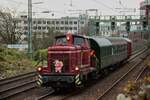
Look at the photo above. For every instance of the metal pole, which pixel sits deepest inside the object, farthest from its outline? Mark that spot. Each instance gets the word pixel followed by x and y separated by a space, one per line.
pixel 30 28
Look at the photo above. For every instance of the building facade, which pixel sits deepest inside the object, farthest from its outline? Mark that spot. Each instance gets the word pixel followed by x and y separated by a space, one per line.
pixel 42 25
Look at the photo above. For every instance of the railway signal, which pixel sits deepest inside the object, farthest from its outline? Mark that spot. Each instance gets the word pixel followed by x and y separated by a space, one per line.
pixel 144 25
pixel 113 25
pixel 97 27
pixel 128 26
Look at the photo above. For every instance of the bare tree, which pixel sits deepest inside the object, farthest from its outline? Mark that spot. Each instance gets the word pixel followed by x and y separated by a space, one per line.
pixel 8 34
pixel 46 40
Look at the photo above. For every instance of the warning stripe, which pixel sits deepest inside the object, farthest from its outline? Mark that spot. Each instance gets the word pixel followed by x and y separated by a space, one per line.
pixel 39 76
pixel 38 83
pixel 77 78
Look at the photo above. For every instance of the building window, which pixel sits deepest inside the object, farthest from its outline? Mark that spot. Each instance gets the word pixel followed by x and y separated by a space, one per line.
pixel 75 22
pixel 66 22
pixel 53 22
pixel 43 28
pixel 61 28
pixel 34 22
pixel 70 28
pixel 35 27
pixel 39 27
pixel 62 22
pixel 25 22
pixel 44 22
pixel 48 28
pixel 82 22
pixel 48 22
pixel 39 22
pixel 57 22
pixel 70 22
pixel 57 28
pixel 75 28
pixel 25 28
pixel 66 28
pixel 53 28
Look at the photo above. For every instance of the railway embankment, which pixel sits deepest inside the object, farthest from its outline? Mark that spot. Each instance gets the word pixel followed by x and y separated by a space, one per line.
pixel 13 62
pixel 138 89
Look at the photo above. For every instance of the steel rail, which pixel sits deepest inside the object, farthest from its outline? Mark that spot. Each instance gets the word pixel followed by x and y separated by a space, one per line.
pixel 17 78
pixel 134 55
pixel 6 94
pixel 121 78
pixel 45 95
pixel 17 88
pixel 137 54
pixel 140 74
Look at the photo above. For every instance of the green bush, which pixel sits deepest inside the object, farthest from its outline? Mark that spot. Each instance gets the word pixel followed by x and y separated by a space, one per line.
pixel 148 44
pixel 13 62
pixel 40 54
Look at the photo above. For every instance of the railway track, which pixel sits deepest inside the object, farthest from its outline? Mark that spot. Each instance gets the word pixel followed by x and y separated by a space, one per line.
pixel 136 78
pixel 119 80
pixel 12 86
pixel 77 92
pixel 143 69
pixel 49 92
pixel 17 84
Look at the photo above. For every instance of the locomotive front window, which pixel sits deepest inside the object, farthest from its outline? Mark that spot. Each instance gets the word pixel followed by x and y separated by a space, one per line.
pixel 78 41
pixel 61 41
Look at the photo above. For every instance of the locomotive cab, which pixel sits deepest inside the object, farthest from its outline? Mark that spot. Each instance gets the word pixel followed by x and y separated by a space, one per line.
pixel 68 61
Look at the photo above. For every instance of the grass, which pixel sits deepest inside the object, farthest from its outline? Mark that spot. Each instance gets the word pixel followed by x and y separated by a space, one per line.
pixel 14 62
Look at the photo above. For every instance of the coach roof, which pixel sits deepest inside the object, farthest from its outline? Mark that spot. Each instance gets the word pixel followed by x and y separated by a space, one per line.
pixel 101 41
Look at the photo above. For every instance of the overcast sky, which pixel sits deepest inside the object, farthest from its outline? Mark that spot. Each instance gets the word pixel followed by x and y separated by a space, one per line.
pixel 61 7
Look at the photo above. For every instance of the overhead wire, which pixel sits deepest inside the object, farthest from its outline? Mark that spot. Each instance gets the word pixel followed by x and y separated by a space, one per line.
pixel 103 4
pixel 25 4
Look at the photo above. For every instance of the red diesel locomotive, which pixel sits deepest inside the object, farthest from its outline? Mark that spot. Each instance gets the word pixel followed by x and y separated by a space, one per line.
pixel 74 58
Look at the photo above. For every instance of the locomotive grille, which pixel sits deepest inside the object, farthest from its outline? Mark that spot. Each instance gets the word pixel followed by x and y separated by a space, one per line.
pixel 61 57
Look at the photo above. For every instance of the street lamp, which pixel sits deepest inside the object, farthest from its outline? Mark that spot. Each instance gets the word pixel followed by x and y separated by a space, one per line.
pixel 30 49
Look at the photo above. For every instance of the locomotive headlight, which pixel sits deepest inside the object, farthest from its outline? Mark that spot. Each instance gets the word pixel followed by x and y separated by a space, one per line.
pixel 39 69
pixel 68 38
pixel 76 68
